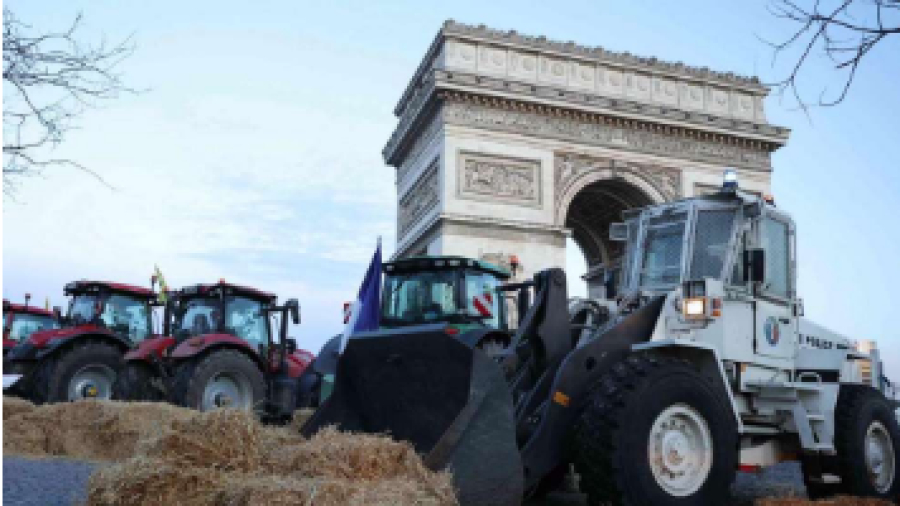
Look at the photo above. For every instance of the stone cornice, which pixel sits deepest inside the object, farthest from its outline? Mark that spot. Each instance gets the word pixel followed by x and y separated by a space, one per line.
pixel 593 102
pixel 597 55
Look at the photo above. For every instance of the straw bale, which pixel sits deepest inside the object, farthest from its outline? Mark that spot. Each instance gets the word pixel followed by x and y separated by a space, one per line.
pixel 224 439
pixel 90 430
pixel 13 406
pixel 140 480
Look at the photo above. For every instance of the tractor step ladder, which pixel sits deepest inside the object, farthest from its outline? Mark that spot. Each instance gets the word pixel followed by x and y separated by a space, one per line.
pixel 795 397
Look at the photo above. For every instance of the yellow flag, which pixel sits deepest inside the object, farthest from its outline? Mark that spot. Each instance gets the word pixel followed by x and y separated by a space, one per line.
pixel 47 303
pixel 163 288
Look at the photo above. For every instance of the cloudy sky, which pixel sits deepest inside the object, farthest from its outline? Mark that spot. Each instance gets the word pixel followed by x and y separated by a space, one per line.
pixel 254 153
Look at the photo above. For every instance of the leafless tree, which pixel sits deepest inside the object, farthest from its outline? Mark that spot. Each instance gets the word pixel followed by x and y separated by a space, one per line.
pixel 845 30
pixel 49 80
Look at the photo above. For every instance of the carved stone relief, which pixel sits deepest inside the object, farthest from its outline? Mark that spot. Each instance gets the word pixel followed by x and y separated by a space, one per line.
pixel 499 179
pixel 620 135
pixel 419 200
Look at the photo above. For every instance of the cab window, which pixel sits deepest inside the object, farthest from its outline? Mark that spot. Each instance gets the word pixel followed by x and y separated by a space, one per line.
pixel 246 319
pixel 126 315
pixel 776 242
pixel 23 325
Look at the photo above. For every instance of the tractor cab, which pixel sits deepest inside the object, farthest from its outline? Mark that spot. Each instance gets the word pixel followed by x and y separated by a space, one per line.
pixel 124 310
pixel 443 289
pixel 22 320
pixel 223 308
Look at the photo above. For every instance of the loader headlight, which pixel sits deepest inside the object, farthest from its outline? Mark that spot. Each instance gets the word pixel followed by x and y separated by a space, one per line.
pixel 694 308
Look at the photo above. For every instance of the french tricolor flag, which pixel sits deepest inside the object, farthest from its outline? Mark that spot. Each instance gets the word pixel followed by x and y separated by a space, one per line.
pixel 364 311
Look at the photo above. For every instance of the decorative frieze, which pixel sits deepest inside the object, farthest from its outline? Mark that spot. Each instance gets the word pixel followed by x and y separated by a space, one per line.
pixel 569 167
pixel 421 198
pixel 593 129
pixel 499 179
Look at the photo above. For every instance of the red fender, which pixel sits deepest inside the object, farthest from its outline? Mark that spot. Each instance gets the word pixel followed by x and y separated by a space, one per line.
pixel 149 348
pixel 298 362
pixel 199 344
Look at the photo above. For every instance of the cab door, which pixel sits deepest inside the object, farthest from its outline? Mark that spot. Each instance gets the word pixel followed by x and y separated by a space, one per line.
pixel 776 326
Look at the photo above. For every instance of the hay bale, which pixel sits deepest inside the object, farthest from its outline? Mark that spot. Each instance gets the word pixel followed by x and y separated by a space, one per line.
pixel 223 439
pixel 89 430
pixel 162 454
pixel 147 481
pixel 13 406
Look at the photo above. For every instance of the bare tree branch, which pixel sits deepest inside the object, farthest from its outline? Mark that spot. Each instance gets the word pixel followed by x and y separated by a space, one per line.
pixel 845 31
pixel 50 79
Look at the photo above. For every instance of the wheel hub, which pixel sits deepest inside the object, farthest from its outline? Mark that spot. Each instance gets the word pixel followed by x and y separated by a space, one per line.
pixel 227 390
pixel 93 381
pixel 680 450
pixel 880 459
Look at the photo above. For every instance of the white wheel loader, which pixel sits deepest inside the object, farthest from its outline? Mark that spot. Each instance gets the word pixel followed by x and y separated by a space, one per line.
pixel 704 367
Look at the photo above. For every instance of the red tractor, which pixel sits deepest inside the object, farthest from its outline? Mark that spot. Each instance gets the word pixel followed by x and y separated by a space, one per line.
pixel 220 351
pixel 20 321
pixel 81 359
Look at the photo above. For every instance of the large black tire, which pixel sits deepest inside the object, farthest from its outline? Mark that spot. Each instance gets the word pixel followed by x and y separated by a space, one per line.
pixel 612 436
pixel 135 383
pixel 193 376
pixel 859 409
pixel 53 376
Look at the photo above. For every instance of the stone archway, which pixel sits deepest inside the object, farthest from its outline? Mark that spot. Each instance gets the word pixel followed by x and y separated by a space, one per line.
pixel 507 145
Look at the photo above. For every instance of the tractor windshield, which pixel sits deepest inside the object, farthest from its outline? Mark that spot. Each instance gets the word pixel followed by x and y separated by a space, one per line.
pixel 83 308
pixel 412 298
pixel 198 316
pixel 23 325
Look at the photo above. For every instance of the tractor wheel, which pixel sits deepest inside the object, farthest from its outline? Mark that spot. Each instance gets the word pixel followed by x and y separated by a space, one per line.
pixel 866 441
pixel 220 379
pixel 655 431
pixel 136 383
pixel 87 370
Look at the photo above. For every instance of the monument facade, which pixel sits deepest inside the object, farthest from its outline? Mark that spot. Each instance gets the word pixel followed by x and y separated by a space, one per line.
pixel 508 144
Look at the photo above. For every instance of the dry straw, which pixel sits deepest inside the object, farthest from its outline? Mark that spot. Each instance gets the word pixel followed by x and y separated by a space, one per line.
pixel 160 454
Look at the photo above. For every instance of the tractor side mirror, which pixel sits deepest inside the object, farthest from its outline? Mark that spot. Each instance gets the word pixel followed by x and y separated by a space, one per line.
pixel 755 265
pixel 293 308
pixel 290 345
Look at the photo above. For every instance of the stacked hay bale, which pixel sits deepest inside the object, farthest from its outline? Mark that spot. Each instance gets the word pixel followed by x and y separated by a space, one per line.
pixel 166 455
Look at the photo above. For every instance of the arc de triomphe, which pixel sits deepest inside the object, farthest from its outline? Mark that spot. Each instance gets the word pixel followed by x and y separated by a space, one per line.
pixel 507 144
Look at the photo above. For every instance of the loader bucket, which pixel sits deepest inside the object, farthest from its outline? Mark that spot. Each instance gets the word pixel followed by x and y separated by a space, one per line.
pixel 450 401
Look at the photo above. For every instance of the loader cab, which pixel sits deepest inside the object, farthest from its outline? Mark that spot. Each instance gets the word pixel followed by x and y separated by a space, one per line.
pixel 730 248
pixel 443 289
